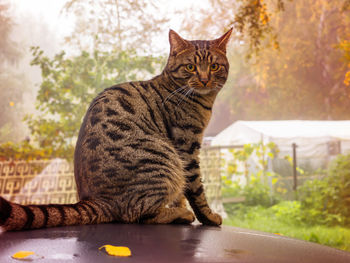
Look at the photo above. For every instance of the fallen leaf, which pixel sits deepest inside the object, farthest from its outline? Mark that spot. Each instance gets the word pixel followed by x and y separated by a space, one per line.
pixel 117 251
pixel 22 254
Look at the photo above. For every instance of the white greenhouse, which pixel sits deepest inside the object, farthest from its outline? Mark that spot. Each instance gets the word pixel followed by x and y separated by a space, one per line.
pixel 317 142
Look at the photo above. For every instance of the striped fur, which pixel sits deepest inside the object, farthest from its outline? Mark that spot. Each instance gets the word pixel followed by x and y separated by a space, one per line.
pixel 136 157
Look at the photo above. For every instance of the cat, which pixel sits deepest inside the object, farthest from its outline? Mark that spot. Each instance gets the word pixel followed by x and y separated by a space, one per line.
pixel 136 157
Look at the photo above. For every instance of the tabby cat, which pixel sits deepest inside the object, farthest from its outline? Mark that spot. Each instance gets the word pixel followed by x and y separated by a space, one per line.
pixel 136 157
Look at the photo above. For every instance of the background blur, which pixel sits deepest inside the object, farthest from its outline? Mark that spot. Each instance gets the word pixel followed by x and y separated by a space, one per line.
pixel 289 60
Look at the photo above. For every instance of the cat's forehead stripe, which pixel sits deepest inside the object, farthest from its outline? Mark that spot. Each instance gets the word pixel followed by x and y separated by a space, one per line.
pixel 200 44
pixel 203 55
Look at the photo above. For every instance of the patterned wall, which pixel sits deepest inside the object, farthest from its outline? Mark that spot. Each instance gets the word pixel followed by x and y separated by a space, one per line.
pixel 210 163
pixel 38 182
pixel 52 181
pixel 210 170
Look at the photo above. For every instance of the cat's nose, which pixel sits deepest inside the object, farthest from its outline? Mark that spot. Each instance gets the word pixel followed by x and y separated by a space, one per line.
pixel 205 81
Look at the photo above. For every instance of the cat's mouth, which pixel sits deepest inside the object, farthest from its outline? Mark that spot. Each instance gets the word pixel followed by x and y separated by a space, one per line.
pixel 205 90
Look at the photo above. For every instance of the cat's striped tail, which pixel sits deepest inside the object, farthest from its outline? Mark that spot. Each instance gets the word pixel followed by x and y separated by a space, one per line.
pixel 19 217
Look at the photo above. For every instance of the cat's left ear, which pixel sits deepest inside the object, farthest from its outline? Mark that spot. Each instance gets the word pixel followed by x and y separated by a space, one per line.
pixel 177 43
pixel 221 42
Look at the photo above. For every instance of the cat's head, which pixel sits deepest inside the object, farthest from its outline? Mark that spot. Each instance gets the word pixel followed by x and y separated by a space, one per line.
pixel 199 65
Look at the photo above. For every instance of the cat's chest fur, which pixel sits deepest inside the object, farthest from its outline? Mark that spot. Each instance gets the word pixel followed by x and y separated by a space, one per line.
pixel 180 120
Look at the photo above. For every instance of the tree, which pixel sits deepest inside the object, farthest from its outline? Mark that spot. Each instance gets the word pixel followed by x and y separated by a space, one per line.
pixel 9 49
pixel 297 70
pixel 305 80
pixel 249 18
pixel 107 51
pixel 70 84
pixel 114 25
pixel 345 47
pixel 12 83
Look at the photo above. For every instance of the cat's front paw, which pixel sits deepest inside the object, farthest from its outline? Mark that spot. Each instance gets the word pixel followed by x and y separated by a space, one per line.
pixel 212 219
pixel 186 218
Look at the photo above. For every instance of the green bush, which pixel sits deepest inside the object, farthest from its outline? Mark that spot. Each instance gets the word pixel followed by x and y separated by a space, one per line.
pixel 258 193
pixel 339 180
pixel 230 188
pixel 327 201
pixel 255 193
pixel 256 189
pixel 288 212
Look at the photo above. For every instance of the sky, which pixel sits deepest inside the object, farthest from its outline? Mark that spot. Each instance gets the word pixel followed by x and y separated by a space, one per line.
pixel 49 12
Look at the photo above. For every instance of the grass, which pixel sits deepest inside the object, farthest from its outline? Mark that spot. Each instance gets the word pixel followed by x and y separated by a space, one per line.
pixel 265 219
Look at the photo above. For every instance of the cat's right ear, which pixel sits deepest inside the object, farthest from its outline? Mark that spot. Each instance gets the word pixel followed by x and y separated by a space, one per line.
pixel 177 43
pixel 221 42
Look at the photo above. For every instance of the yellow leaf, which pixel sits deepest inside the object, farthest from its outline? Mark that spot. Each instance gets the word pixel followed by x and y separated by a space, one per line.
pixel 22 254
pixel 347 78
pixel 274 181
pixel 117 251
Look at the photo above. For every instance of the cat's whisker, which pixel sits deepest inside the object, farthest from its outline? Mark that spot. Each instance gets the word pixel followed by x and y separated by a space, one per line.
pixel 186 94
pixel 183 92
pixel 179 90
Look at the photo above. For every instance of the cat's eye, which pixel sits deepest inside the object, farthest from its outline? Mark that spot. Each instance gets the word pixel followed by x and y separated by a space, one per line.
pixel 190 67
pixel 214 67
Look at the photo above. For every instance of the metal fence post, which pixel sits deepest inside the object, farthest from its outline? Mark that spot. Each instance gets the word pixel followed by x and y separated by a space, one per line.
pixel 294 145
